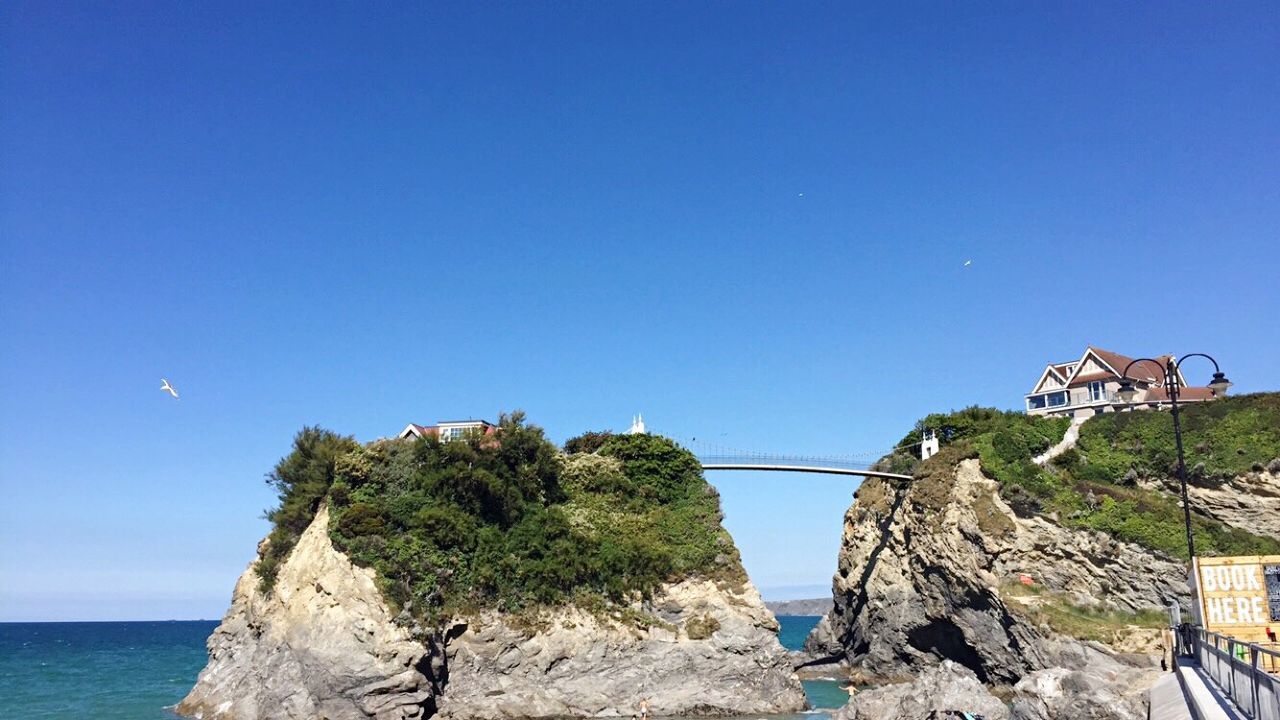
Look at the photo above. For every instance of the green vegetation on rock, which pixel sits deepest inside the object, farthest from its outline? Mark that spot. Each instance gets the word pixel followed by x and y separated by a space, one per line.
pixel 1224 438
pixel 1086 623
pixel 301 479
pixel 506 521
pixel 1094 485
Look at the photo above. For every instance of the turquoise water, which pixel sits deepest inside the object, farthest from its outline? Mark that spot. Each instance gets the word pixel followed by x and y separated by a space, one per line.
pixel 135 670
pixel 98 671
pixel 795 628
pixel 823 694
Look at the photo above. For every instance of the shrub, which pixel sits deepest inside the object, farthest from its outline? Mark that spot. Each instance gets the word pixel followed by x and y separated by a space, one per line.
pixel 1228 435
pixel 507 522
pixel 587 442
pixel 1095 485
pixel 1068 459
pixel 701 628
pixel 301 479
pixel 590 473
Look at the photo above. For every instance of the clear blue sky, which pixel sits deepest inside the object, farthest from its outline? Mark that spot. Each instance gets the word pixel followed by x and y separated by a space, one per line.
pixel 745 220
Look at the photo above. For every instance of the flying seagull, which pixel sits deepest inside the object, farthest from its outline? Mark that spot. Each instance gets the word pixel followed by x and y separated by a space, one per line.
pixel 967 263
pixel 165 386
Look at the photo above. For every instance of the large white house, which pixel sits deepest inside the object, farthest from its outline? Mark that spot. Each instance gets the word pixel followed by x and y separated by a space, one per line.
pixel 1085 387
pixel 447 430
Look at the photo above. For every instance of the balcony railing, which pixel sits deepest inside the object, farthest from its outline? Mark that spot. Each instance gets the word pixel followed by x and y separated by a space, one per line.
pixel 1085 397
pixel 1080 398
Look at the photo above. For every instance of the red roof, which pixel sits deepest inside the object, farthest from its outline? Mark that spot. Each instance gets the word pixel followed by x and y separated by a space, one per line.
pixel 1143 370
pixel 1090 377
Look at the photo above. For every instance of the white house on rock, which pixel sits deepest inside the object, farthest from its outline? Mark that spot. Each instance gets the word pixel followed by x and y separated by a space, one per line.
pixel 448 430
pixel 1087 386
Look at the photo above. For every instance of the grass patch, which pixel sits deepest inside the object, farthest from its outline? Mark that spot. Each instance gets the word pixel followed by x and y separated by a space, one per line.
pixel 1092 487
pixel 701 628
pixel 1221 439
pixel 1059 613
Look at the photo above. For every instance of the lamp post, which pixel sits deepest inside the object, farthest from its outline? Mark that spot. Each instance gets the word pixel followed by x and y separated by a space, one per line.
pixel 1173 386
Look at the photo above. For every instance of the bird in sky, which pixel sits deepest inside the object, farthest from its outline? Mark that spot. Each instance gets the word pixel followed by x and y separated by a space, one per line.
pixel 967 263
pixel 165 386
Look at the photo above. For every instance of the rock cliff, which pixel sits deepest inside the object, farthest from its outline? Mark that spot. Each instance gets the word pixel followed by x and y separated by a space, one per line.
pixel 922 569
pixel 1250 501
pixel 1087 683
pixel 709 651
pixel 936 692
pixel 1095 687
pixel 324 644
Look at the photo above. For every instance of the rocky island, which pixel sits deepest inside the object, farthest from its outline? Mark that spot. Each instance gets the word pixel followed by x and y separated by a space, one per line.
pixel 498 577
pixel 493 577
pixel 1043 583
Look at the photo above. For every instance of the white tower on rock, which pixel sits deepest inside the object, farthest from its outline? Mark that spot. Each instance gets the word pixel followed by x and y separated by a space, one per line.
pixel 929 447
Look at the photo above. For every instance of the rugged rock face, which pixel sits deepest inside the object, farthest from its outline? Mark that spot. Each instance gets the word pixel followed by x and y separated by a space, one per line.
pixel 1091 686
pixel 946 688
pixel 921 567
pixel 324 644
pixel 714 653
pixel 1250 502
pixel 1088 684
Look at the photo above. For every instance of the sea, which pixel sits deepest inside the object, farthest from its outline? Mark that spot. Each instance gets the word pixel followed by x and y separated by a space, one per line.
pixel 139 670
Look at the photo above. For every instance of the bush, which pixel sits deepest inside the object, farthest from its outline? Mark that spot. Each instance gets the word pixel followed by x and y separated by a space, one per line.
pixel 507 522
pixel 587 442
pixel 1227 435
pixel 701 628
pixel 301 480
pixel 1094 486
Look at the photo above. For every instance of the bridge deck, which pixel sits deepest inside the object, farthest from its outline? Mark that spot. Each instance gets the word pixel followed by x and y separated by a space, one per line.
pixel 805 469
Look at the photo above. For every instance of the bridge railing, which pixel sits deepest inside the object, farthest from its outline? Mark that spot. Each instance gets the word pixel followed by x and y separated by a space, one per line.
pixel 797 460
pixel 1244 672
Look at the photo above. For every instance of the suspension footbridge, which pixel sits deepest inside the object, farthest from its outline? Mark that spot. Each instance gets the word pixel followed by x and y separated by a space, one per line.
pixel 717 457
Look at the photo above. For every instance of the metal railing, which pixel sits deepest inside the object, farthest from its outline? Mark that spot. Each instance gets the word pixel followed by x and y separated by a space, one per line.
pixel 781 459
pixel 1245 672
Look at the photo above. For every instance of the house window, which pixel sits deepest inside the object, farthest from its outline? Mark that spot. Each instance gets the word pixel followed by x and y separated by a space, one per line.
pixel 1057 399
pixel 1035 402
pixel 1097 390
pixel 453 433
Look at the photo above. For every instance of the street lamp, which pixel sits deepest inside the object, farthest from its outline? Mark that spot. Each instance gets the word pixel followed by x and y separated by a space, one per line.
pixel 1218 385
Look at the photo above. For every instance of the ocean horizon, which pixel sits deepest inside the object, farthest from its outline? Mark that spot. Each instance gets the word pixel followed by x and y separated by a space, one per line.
pixel 138 670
